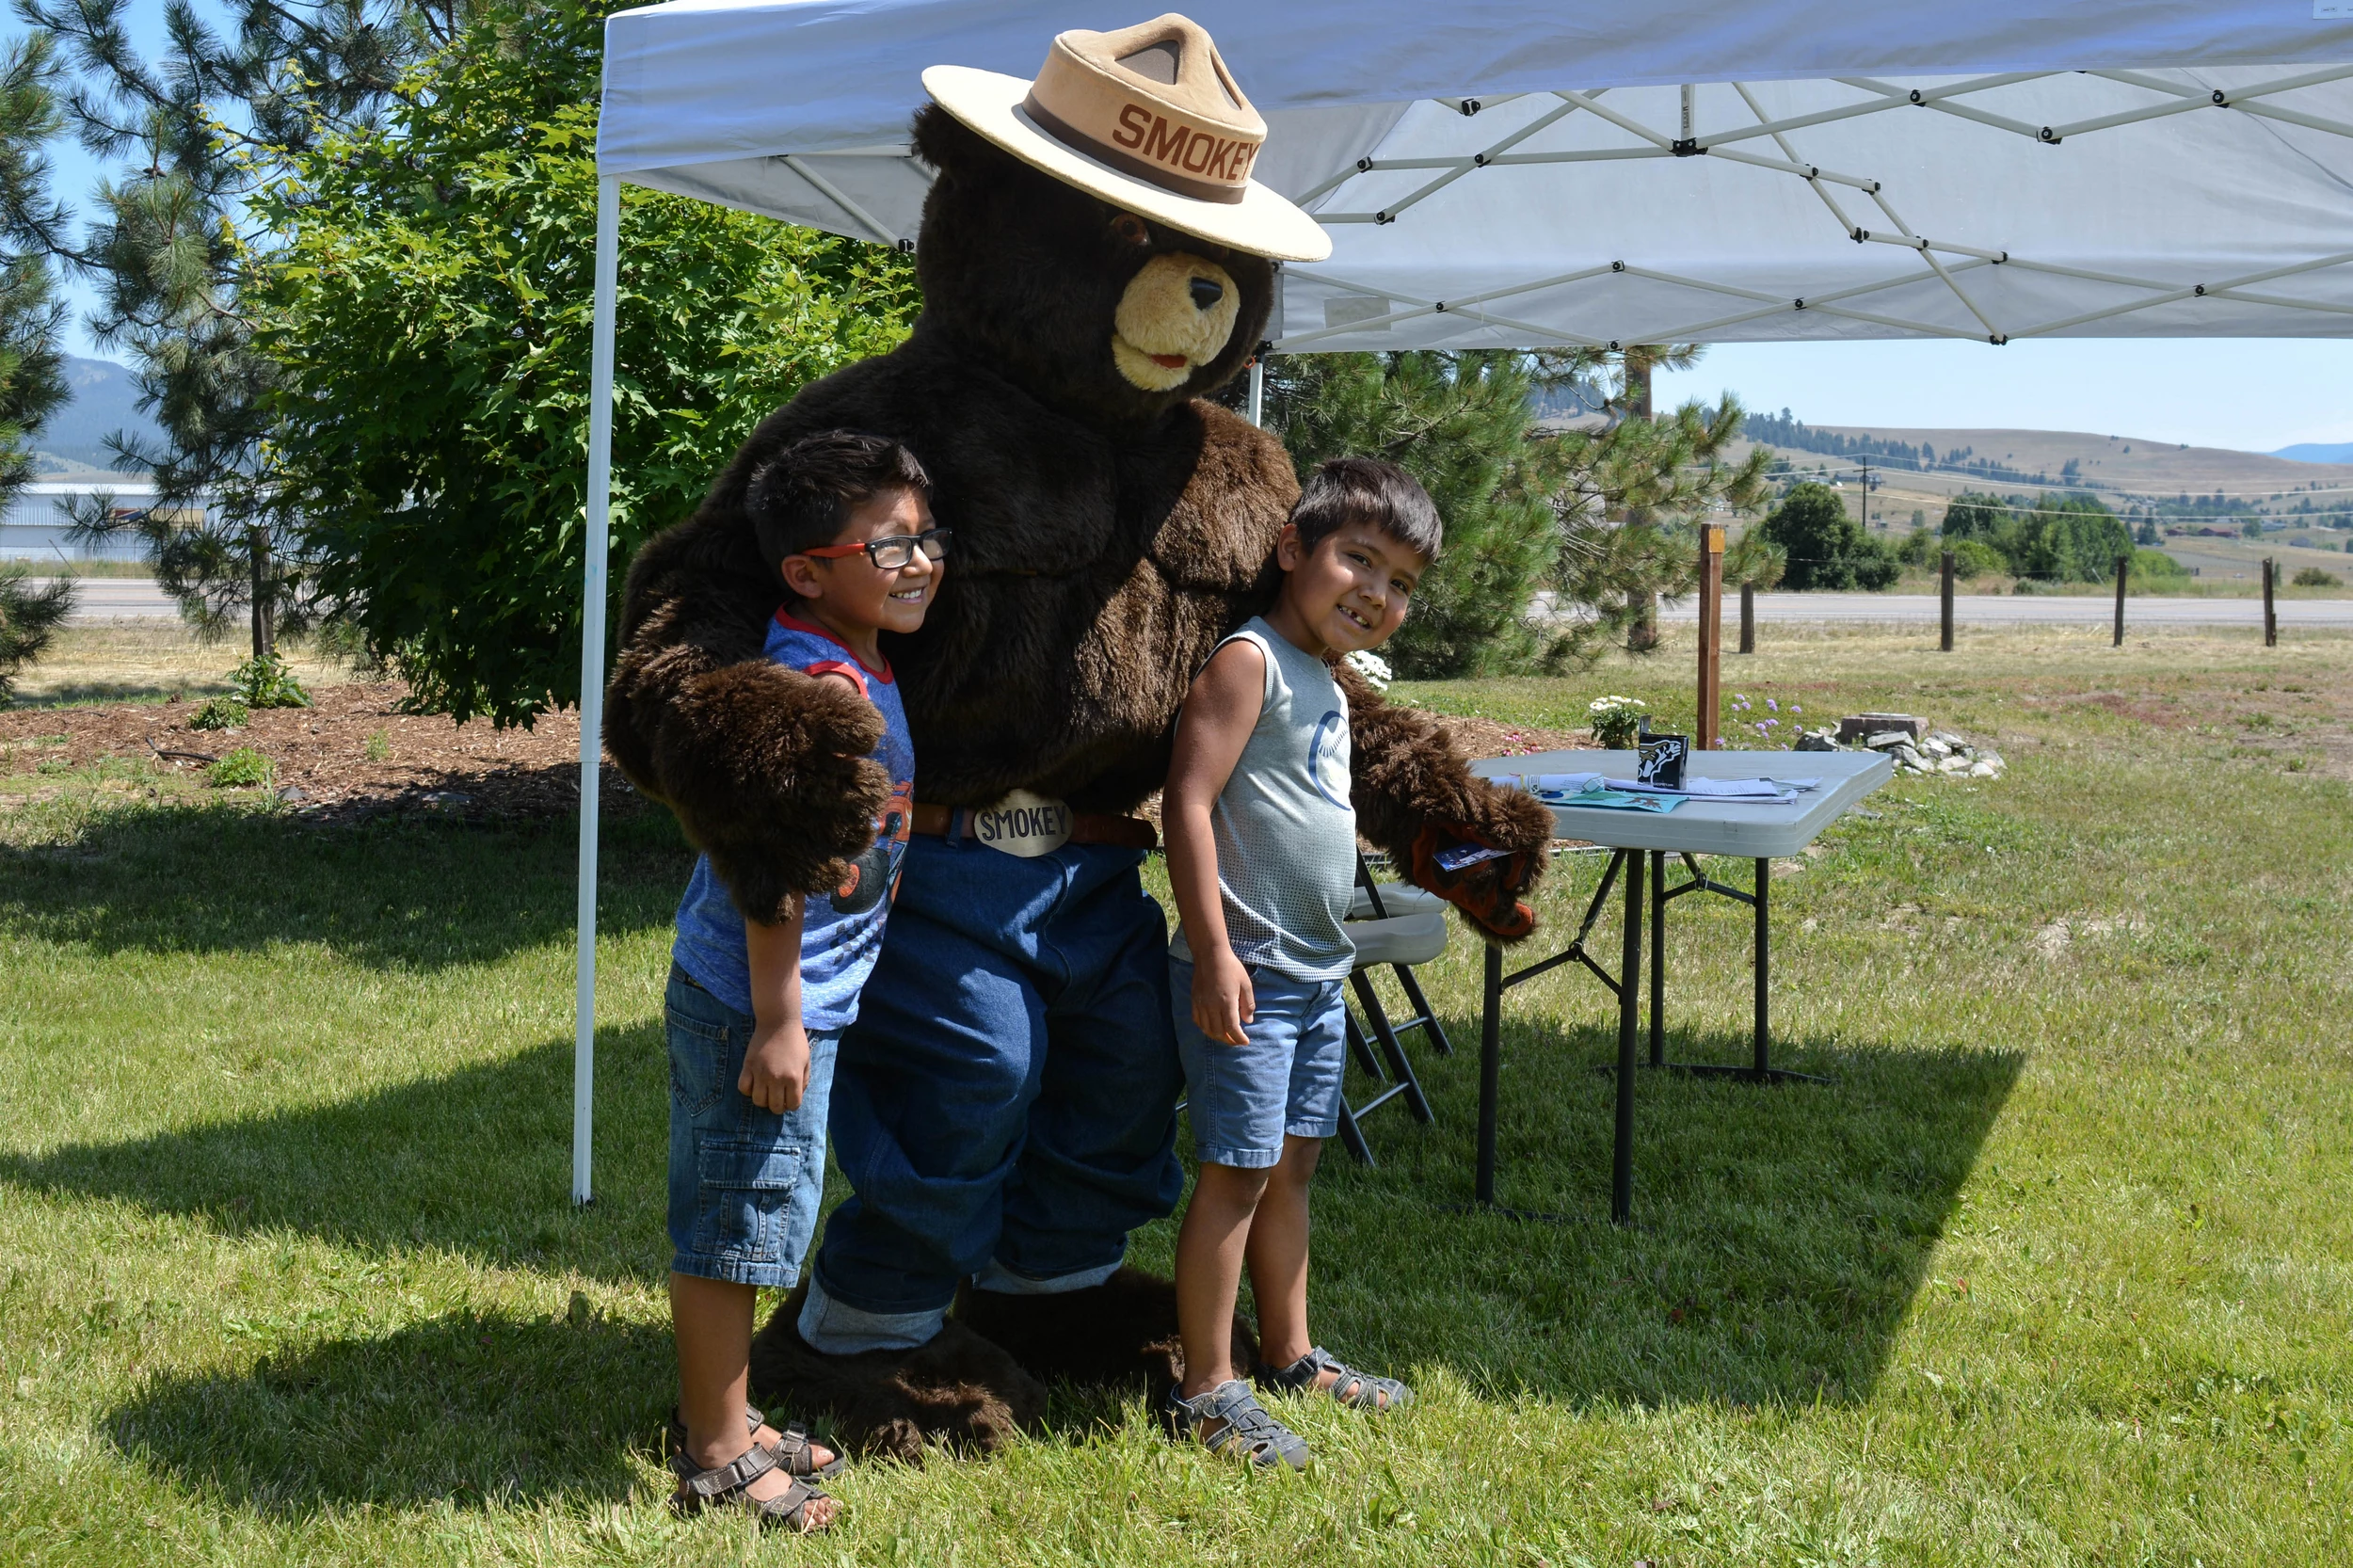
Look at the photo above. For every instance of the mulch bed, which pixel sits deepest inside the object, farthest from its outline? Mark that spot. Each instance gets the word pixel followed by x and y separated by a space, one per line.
pixel 428 764
pixel 324 771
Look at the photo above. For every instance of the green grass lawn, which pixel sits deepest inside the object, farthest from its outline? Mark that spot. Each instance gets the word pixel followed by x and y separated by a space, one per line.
pixel 2055 1272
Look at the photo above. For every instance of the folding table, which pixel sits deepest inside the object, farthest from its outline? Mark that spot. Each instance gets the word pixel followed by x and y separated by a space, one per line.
pixel 1694 828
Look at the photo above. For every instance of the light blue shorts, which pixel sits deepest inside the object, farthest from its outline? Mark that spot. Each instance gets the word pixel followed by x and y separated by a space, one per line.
pixel 1243 1101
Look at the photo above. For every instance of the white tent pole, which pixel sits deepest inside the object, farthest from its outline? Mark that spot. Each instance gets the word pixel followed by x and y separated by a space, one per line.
pixel 1258 388
pixel 598 538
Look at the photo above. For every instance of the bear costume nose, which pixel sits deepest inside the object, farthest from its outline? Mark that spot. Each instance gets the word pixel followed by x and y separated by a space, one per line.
pixel 1205 294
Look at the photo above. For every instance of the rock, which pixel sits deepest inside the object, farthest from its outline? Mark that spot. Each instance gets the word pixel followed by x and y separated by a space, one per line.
pixel 1905 756
pixel 1855 727
pixel 1952 764
pixel 1888 739
pixel 1984 770
pixel 1816 743
pixel 1950 739
pixel 1993 757
pixel 1936 748
pixel 293 795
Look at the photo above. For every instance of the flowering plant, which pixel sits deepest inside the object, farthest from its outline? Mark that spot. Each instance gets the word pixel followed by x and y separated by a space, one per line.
pixel 1374 669
pixel 1767 729
pixel 1615 721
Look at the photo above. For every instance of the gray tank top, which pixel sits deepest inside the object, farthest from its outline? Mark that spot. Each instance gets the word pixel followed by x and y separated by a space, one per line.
pixel 1285 832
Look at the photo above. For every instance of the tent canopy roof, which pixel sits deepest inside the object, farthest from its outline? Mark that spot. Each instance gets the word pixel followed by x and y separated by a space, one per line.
pixel 1520 174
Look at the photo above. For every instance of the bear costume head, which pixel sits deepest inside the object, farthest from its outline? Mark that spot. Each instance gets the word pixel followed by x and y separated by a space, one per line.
pixel 1099 311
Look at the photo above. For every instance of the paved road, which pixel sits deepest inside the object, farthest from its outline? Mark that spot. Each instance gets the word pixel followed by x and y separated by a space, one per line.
pixel 120 599
pixel 104 598
pixel 2027 610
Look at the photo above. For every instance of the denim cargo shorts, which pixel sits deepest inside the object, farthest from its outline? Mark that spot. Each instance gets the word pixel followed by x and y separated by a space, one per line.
pixel 745 1183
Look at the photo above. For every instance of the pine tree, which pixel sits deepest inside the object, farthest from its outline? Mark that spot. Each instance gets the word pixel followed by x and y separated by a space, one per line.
pixel 32 380
pixel 1597 516
pixel 209 125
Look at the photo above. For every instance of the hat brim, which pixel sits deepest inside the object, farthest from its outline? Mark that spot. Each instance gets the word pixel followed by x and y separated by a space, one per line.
pixel 1262 223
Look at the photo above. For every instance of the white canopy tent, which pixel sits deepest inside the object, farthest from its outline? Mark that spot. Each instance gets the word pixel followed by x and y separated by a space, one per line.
pixel 1504 173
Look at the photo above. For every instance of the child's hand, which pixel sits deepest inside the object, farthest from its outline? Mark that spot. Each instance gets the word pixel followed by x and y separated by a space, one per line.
pixel 1222 1000
pixel 776 1067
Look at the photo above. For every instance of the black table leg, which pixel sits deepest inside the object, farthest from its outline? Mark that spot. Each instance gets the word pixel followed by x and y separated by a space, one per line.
pixel 1629 1024
pixel 1764 965
pixel 1658 958
pixel 1490 1071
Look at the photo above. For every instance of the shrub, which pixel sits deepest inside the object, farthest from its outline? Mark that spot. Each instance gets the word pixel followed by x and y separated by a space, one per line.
pixel 2315 577
pixel 221 712
pixel 242 768
pixel 379 744
pixel 1827 549
pixel 1974 558
pixel 2156 563
pixel 264 682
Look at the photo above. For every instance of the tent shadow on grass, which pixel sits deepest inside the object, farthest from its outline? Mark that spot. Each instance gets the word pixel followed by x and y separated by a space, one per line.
pixel 417 895
pixel 477 1162
pixel 473 1410
pixel 1780 1233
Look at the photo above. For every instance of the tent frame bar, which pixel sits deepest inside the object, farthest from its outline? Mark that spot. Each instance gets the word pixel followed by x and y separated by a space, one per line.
pixel 597 537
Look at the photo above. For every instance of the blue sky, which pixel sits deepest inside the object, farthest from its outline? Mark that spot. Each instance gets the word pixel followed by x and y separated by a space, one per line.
pixel 2253 393
pixel 2256 394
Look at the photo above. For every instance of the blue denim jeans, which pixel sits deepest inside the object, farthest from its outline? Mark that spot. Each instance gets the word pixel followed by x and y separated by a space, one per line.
pixel 1006 1100
pixel 745 1183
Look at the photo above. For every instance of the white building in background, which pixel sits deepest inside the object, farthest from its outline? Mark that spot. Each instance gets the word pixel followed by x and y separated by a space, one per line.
pixel 36 527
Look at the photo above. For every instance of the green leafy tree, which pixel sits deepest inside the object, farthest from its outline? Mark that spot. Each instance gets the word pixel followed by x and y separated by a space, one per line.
pixel 1753 561
pixel 208 126
pixel 1826 548
pixel 425 318
pixel 32 381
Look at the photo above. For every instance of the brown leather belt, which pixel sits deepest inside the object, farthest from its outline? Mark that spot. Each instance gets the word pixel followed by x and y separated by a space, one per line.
pixel 1122 832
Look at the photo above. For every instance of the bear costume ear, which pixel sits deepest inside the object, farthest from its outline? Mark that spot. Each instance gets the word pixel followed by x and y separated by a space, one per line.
pixel 946 143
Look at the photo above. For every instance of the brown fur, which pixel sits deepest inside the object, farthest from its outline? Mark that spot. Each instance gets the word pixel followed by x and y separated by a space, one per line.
pixel 960 1388
pixel 1120 1334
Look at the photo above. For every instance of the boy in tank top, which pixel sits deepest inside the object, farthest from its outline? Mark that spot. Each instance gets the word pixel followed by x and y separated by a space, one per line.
pixel 754 1010
pixel 1262 858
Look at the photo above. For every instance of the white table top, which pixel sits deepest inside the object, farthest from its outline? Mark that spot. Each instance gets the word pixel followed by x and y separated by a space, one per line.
pixel 1711 827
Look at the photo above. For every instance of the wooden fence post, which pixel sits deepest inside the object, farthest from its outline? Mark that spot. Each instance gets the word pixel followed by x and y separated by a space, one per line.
pixel 2272 616
pixel 1945 604
pixel 1748 618
pixel 2123 566
pixel 1711 635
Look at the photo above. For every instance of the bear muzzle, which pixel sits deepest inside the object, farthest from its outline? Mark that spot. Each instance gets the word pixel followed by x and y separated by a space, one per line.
pixel 1173 317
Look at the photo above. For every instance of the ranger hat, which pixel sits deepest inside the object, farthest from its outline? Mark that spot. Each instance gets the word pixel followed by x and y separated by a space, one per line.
pixel 1148 119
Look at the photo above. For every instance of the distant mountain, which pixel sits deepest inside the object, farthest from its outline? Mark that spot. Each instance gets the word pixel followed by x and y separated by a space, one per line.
pixel 2316 451
pixel 105 400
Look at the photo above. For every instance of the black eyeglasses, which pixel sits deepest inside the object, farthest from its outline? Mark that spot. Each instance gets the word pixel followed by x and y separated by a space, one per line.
pixel 891 554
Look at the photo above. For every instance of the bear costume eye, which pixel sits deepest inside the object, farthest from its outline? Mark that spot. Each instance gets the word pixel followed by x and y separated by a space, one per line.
pixel 1131 229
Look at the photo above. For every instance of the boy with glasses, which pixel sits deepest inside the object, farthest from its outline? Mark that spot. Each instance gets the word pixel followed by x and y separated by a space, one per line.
pixel 754 1010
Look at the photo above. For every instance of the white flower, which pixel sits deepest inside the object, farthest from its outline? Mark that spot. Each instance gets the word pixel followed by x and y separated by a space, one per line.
pixel 1373 669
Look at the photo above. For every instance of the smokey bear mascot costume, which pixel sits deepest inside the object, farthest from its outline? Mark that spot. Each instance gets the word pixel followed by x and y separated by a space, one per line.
pixel 1094 258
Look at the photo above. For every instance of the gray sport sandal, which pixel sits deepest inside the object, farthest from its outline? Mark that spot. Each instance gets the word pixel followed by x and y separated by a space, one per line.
pixel 1357 1390
pixel 1248 1432
pixel 728 1485
pixel 792 1446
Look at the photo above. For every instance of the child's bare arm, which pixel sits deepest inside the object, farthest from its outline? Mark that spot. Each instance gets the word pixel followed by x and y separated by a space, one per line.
pixel 1211 731
pixel 775 1067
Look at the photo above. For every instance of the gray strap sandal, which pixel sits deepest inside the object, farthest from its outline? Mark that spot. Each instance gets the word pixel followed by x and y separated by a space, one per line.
pixel 792 1446
pixel 728 1485
pixel 1247 1432
pixel 1357 1390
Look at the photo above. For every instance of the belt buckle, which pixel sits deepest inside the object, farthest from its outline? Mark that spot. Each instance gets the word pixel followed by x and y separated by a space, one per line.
pixel 1024 824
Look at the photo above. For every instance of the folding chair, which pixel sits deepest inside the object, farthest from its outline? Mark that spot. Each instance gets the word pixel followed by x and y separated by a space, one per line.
pixel 1400 926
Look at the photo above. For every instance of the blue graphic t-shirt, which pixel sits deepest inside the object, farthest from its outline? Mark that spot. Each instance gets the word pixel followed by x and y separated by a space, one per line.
pixel 842 932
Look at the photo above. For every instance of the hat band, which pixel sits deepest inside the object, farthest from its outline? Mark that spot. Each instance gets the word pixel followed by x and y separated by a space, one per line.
pixel 1180 146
